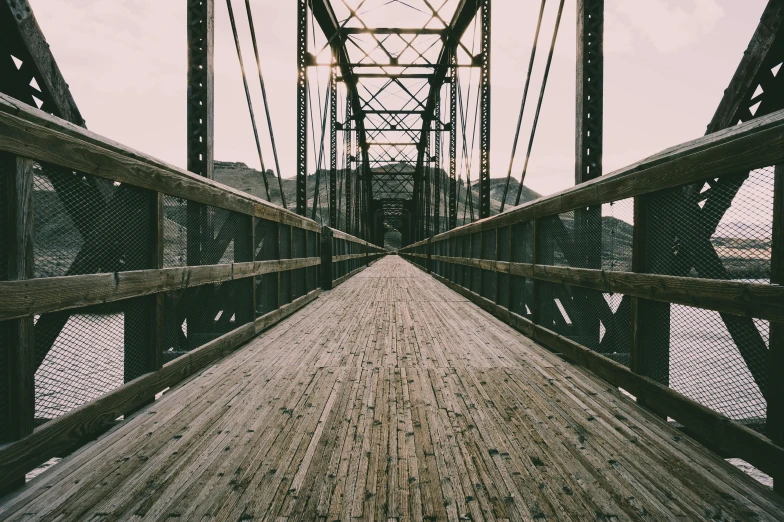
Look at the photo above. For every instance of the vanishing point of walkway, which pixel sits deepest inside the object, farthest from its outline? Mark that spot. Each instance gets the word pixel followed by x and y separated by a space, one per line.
pixel 392 398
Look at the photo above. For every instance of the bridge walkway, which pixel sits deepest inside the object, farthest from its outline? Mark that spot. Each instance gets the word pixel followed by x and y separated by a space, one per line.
pixel 392 398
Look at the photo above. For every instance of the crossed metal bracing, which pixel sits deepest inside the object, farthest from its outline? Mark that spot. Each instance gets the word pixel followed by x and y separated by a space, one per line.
pixel 394 59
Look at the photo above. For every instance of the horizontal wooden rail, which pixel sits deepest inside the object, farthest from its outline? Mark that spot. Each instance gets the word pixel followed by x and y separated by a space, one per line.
pixel 34 134
pixel 763 301
pixel 755 144
pixel 59 436
pixel 339 234
pixel 346 257
pixel 717 430
pixel 51 294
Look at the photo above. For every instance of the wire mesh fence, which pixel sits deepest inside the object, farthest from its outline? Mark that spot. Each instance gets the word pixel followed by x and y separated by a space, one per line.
pixel 267 247
pixel 198 315
pixel 82 354
pixel 86 225
pixel 720 229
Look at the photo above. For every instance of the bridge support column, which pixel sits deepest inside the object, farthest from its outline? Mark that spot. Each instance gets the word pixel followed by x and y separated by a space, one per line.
pixel 17 346
pixel 333 142
pixel 453 126
pixel 201 86
pixel 588 154
pixel 302 107
pixel 484 132
pixel 325 268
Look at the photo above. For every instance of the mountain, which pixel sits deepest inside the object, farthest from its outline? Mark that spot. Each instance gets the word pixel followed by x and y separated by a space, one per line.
pixel 242 177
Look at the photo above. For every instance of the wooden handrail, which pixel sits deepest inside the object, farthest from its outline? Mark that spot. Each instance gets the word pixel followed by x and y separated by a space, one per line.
pixel 32 133
pixel 742 148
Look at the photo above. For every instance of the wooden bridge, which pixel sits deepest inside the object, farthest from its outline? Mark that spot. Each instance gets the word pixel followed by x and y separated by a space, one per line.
pixel 175 348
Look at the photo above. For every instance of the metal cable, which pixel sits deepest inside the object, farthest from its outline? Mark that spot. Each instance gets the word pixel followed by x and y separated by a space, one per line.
pixel 522 104
pixel 266 105
pixel 247 96
pixel 320 156
pixel 539 103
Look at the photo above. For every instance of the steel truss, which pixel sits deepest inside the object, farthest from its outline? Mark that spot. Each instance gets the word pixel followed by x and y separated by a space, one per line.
pixel 393 78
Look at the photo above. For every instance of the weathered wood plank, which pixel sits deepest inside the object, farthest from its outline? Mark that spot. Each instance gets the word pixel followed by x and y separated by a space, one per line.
pixel 42 295
pixel 745 299
pixel 60 434
pixel 33 133
pixel 720 431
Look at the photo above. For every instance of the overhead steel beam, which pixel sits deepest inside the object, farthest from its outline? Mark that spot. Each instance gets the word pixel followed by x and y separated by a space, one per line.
pixel 201 86
pixel 328 22
pixel 465 12
pixel 392 30
pixel 22 37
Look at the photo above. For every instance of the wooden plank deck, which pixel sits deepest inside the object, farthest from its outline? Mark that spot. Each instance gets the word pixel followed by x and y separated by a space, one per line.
pixel 392 398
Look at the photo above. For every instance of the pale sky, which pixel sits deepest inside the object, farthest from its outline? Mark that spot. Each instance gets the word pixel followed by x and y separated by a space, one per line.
pixel 667 63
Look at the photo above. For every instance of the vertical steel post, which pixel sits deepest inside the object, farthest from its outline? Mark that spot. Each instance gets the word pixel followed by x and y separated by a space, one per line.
pixel 201 86
pixel 357 183
pixel 590 89
pixel 347 166
pixel 588 153
pixel 484 133
pixel 200 132
pixel 453 126
pixel 437 169
pixel 302 107
pixel 333 141
pixel 426 171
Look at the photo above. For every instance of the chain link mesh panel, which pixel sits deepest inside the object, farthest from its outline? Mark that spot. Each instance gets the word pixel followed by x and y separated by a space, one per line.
pixel 284 287
pixel 266 249
pixel 86 225
pixel 713 361
pixel 522 242
pixel 298 247
pixel 175 232
pixel 720 229
pixel 195 316
pixel 617 229
pixel 313 239
pixel 504 254
pixel 84 353
pixel 488 246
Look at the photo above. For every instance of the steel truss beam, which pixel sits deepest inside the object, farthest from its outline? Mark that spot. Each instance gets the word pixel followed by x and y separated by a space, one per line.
pixel 201 86
pixel 327 21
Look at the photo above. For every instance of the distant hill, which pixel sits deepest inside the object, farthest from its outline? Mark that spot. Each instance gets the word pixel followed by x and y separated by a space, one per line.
pixel 242 177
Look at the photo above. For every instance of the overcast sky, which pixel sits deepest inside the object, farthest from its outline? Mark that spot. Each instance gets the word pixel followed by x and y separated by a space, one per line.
pixel 667 64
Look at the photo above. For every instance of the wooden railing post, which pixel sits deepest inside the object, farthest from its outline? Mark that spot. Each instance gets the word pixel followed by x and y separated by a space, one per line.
pixel 535 283
pixel 646 315
pixel 325 268
pixel 20 347
pixel 429 250
pixel 775 398
pixel 156 335
pixel 252 238
pixel 244 252
pixel 143 323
